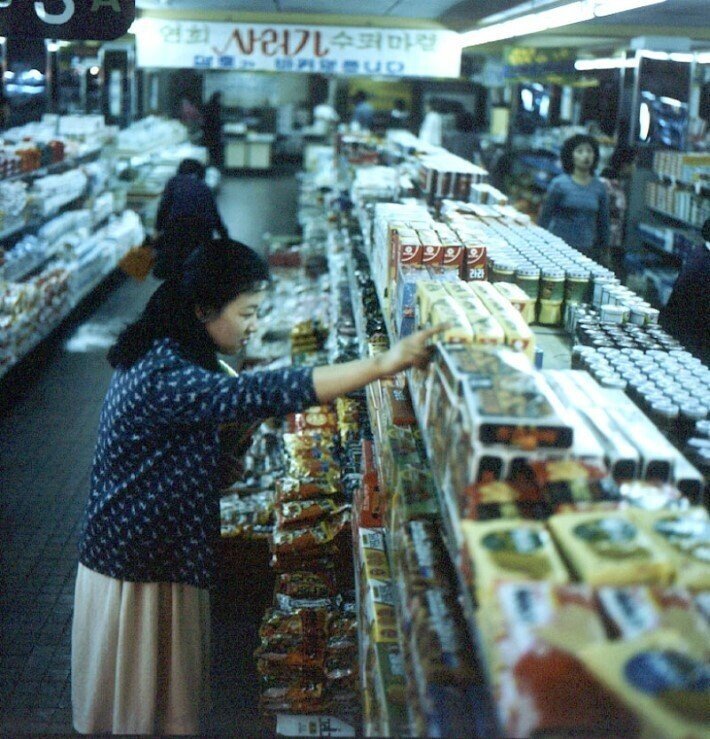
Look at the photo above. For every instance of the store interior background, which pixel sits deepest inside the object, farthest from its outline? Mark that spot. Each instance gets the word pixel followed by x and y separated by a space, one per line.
pixel 522 94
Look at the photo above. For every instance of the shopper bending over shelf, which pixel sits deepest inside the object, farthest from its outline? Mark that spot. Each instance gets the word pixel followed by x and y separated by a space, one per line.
pixel 140 635
pixel 576 207
pixel 187 214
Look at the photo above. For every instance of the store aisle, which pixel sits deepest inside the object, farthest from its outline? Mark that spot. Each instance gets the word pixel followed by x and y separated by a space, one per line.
pixel 47 434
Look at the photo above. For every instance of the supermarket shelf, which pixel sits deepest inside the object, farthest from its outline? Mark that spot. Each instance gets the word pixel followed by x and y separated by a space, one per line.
pixel 485 721
pixel 36 224
pixel 73 303
pixel 672 217
pixel 64 166
pixel 657 249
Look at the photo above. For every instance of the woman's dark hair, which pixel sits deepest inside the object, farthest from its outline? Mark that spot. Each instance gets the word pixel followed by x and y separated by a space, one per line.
pixel 568 150
pixel 214 275
pixel 192 166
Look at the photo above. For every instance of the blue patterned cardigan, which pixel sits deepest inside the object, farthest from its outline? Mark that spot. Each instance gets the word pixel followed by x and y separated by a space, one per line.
pixel 153 510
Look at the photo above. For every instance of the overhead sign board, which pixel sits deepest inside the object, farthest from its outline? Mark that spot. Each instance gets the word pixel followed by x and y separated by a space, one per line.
pixel 99 20
pixel 297 48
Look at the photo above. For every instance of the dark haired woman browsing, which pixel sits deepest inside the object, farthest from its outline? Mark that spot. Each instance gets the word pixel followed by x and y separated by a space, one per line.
pixel 576 207
pixel 140 636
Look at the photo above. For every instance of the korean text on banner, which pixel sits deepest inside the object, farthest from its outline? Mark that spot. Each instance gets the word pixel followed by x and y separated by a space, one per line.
pixel 286 48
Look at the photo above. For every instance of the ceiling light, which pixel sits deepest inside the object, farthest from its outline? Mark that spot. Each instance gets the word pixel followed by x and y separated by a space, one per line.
pixel 563 15
pixel 603 8
pixel 584 65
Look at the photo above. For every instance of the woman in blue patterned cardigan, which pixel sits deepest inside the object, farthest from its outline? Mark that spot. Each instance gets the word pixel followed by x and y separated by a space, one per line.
pixel 140 636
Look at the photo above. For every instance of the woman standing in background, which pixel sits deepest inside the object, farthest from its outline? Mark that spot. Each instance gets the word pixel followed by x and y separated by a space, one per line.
pixel 577 205
pixel 616 177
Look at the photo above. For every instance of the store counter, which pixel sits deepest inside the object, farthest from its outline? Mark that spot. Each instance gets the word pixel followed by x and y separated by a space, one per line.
pixel 245 149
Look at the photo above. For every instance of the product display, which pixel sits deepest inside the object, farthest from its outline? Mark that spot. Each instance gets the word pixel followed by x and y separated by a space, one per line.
pixel 510 539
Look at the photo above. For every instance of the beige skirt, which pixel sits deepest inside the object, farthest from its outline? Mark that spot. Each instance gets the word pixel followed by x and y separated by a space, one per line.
pixel 140 656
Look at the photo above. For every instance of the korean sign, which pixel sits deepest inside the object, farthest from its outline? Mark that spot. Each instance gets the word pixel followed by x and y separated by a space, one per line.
pixel 66 19
pixel 291 48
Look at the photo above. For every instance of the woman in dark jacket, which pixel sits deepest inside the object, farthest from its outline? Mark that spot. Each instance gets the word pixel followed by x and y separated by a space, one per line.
pixel 187 214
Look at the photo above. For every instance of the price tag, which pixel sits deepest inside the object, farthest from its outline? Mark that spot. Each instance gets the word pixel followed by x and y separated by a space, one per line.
pixel 291 725
pixel 98 20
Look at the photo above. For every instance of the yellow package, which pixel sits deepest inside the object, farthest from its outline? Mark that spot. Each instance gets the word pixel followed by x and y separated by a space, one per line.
pixel 428 293
pixel 510 550
pixel 608 548
pixel 449 311
pixel 684 536
pixel 660 678
pixel 518 298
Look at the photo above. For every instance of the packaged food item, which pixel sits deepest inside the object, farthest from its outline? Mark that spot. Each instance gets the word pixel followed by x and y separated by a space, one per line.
pixel 519 299
pixel 652 495
pixel 306 585
pixel 518 334
pixel 449 311
pixel 374 564
pixel 508 402
pixel 640 609
pixel 610 549
pixel 291 488
pixel 567 481
pixel 428 293
pixel 318 418
pixel 660 678
pixel 384 669
pixel 684 537
pixel 531 633
pixel 496 499
pixel 509 550
pixel 299 513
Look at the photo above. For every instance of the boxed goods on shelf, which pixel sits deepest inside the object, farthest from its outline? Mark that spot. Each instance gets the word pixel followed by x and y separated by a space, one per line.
pixel 491 509
pixel 532 634
pixel 658 677
pixel 609 549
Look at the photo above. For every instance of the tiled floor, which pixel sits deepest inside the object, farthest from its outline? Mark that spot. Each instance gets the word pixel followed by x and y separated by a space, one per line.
pixel 49 409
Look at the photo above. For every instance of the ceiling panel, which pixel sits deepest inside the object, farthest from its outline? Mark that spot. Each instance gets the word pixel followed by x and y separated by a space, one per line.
pixel 424 9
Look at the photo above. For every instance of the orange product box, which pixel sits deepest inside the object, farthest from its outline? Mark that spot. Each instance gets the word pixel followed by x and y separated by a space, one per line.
pixel 474 263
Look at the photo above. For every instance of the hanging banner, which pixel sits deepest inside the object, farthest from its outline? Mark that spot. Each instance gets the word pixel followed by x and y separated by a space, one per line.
pixel 297 48
pixel 98 20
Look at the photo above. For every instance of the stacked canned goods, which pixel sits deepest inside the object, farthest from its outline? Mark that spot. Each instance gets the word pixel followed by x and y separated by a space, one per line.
pixel 671 386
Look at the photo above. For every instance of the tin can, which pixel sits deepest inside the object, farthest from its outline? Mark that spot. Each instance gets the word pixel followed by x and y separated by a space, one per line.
pixel 552 284
pixel 576 285
pixel 616 314
pixel 527 277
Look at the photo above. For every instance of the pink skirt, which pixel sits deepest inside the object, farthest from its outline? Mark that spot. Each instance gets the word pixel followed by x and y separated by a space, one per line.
pixel 140 656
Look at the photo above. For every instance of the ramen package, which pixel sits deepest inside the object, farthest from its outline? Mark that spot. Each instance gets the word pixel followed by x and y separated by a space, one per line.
pixel 610 549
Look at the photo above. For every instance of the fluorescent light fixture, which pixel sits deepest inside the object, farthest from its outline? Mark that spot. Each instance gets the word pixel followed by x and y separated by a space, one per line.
pixel 563 15
pixel 676 57
pixel 52 46
pixel 703 57
pixel 603 8
pixel 644 121
pixel 9 75
pixel 670 101
pixel 584 65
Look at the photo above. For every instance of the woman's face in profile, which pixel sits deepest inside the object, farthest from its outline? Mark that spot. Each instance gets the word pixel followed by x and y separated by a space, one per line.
pixel 231 329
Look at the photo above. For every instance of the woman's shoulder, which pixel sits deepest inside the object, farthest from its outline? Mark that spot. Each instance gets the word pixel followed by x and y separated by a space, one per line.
pixel 560 181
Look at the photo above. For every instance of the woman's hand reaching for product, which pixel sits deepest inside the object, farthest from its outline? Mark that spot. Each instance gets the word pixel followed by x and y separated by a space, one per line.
pixel 335 380
pixel 415 350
